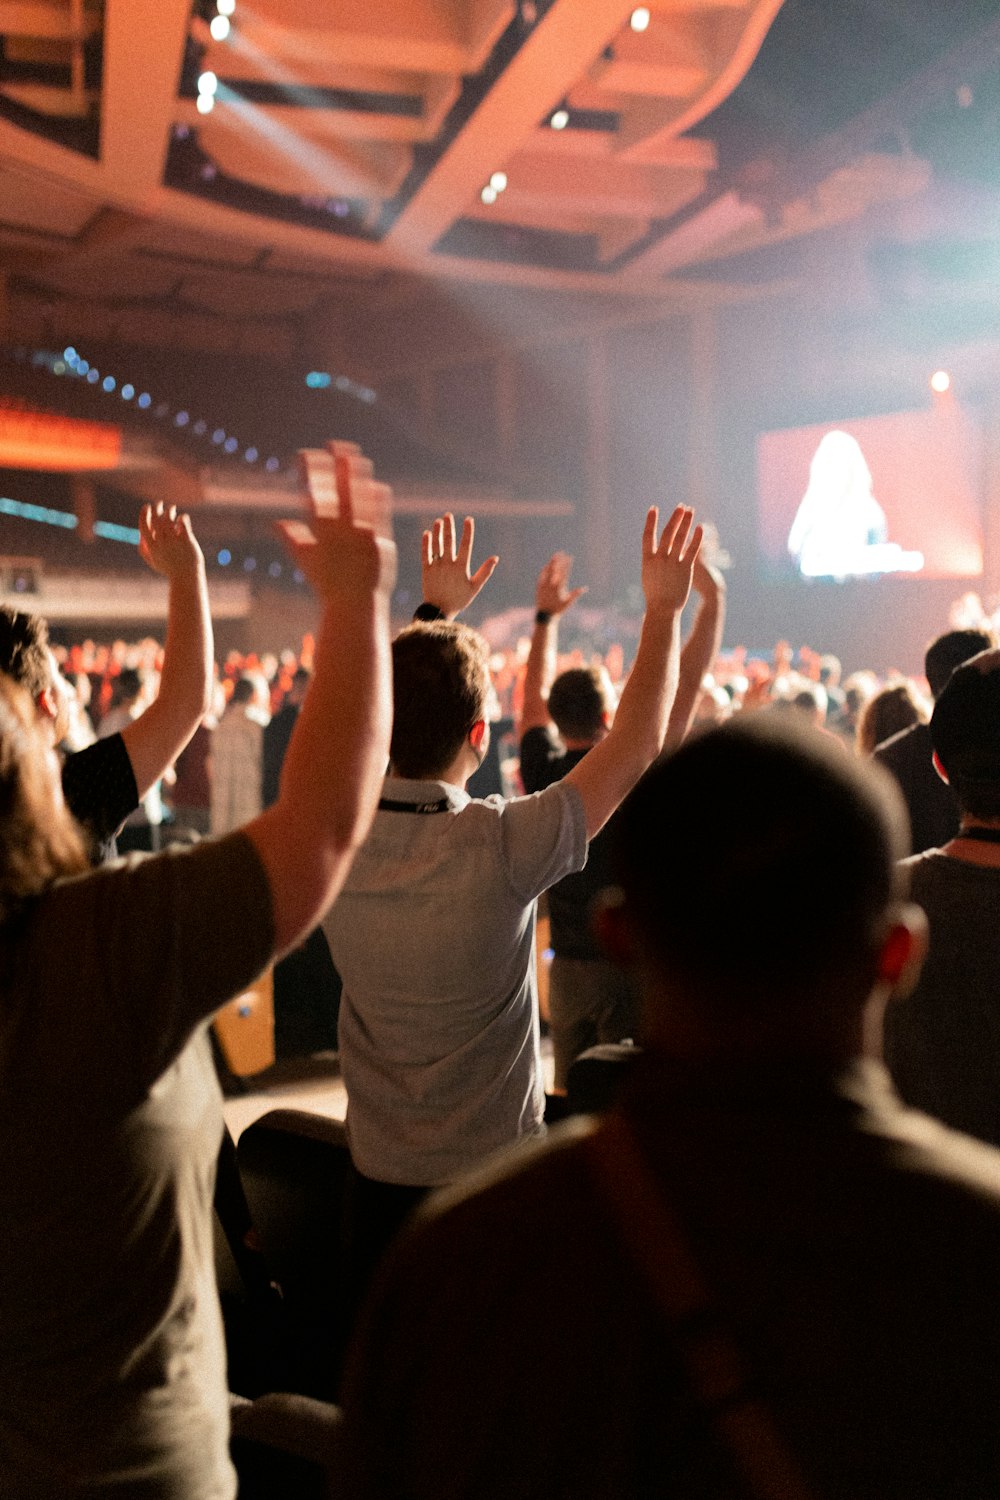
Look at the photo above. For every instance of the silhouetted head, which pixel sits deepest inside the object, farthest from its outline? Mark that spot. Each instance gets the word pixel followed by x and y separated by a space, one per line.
pixel 965 733
pixel 581 703
pixel 759 874
pixel 949 651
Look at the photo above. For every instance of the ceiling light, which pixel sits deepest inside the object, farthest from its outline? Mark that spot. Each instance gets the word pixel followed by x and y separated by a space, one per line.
pixel 488 194
pixel 207 83
pixel 560 119
pixel 940 381
pixel 639 19
pixel 205 103
pixel 498 181
pixel 219 28
pixel 225 7
pixel 128 391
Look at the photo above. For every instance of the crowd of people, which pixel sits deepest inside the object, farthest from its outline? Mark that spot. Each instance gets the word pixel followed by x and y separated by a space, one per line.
pixel 766 1270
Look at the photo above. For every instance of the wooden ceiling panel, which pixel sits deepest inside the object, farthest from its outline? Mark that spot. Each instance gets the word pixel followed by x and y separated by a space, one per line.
pixel 41 204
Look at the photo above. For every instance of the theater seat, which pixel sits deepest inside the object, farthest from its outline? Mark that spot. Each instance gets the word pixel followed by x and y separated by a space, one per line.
pixel 293 1167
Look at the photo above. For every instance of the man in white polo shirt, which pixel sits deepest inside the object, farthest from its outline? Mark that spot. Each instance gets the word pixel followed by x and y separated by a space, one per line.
pixel 434 931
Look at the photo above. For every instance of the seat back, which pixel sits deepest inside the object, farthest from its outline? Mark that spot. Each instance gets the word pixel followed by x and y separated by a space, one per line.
pixel 293 1165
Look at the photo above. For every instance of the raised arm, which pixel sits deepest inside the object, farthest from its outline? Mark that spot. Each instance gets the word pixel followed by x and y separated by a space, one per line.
pixel 553 597
pixel 700 649
pixel 156 738
pixel 337 756
pixel 607 773
pixel 449 584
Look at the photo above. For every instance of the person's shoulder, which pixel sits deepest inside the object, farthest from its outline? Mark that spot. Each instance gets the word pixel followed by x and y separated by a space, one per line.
pixel 509 1193
pixel 901 747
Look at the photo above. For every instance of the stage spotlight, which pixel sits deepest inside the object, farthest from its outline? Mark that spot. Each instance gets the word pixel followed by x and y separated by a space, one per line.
pixel 559 119
pixel 224 558
pixel 182 419
pixel 108 383
pixel 128 391
pixel 205 103
pixel 498 181
pixel 230 445
pixel 225 7
pixel 488 194
pixel 219 27
pixel 207 83
pixel 639 19
pixel 940 382
pixel 145 400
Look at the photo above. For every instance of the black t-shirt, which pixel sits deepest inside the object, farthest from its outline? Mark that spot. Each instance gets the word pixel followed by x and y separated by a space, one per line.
pixel 100 791
pixel 543 761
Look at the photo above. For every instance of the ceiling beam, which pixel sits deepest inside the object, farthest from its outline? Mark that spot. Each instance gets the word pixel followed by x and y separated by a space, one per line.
pixel 550 61
pixel 143 51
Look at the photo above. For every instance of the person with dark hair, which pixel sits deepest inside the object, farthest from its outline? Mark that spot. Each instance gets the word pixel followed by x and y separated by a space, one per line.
pixel 591 1000
pixel 942 1043
pixel 758 1275
pixel 434 932
pixel 933 808
pixel 278 732
pixel 106 782
pixel 893 709
pixel 112 1361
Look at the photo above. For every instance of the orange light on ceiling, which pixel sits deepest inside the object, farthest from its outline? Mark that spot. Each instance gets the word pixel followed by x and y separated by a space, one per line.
pixel 36 440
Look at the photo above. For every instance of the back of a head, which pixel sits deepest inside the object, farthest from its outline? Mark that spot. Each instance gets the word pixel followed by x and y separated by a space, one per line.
pixel 578 703
pixel 128 685
pixel 949 651
pixel 887 712
pixel 965 733
pixel 244 690
pixel 759 861
pixel 440 685
pixel 24 650
pixel 38 839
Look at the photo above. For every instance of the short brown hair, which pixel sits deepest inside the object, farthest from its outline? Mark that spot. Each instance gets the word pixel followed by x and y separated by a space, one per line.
pixel 440 684
pixel 38 841
pixel 24 650
pixel 578 703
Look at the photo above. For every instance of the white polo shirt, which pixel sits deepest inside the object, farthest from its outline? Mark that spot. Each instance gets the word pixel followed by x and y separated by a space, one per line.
pixel 434 937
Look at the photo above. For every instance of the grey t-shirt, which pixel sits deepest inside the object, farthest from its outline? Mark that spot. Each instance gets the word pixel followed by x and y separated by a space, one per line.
pixel 433 935
pixel 112 1361
pixel 942 1043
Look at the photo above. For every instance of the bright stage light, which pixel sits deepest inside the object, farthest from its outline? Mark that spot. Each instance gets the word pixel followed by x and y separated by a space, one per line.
pixel 488 194
pixel 940 382
pixel 498 181
pixel 639 19
pixel 219 27
pixel 225 7
pixel 205 103
pixel 207 83
pixel 560 119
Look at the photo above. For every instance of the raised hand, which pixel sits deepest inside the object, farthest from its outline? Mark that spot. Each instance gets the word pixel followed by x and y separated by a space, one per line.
pixel 345 545
pixel 167 543
pixel 668 566
pixel 553 596
pixel 448 582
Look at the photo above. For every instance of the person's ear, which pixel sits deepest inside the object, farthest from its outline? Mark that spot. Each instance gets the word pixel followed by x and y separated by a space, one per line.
pixel 939 768
pixel 477 735
pixel 903 950
pixel 47 704
pixel 610 921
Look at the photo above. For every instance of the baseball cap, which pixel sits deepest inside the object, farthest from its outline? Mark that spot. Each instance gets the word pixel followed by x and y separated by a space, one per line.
pixel 965 725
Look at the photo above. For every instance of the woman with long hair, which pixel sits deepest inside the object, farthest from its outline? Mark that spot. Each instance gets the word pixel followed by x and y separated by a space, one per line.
pixel 112 1362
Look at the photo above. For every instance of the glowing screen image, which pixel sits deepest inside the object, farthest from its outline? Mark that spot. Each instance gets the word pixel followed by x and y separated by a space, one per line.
pixel 892 494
